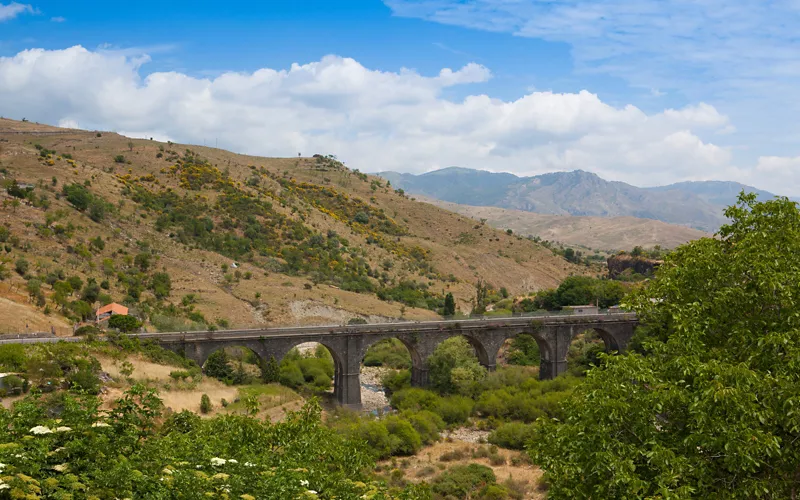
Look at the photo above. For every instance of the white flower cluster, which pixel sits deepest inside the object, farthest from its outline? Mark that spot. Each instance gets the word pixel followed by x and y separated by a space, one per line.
pixel 100 424
pixel 217 462
pixel 40 430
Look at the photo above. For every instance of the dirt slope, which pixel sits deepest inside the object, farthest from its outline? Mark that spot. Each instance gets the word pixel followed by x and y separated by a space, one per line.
pixel 454 251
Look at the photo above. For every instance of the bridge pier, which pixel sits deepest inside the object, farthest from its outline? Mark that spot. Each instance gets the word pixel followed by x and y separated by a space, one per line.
pixel 347 381
pixel 551 369
pixel 419 376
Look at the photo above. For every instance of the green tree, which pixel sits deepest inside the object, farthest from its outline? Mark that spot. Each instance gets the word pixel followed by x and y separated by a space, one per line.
pixel 22 266
pixel 712 411
pixel 453 367
pixel 218 366
pixel 91 291
pixel 270 371
pixel 142 261
pixel 108 267
pixel 481 297
pixel 161 285
pixel 449 305
pixel 124 323
pixel 205 404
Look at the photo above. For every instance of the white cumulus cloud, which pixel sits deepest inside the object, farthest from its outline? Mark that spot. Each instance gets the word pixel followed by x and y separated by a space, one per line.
pixel 14 9
pixel 374 120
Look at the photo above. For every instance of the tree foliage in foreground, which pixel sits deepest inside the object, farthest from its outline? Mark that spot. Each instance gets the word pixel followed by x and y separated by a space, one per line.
pixel 713 409
pixel 66 447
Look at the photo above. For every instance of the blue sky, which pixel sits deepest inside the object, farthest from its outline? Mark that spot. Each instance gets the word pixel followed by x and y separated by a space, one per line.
pixel 640 91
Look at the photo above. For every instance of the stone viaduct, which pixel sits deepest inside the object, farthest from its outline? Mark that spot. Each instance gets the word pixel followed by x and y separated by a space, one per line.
pixel 348 344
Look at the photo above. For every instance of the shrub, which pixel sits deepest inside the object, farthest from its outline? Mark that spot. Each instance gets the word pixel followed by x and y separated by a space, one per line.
pixel 396 381
pixel 453 455
pixel 415 399
pixel 205 404
pixel 403 438
pixel 15 384
pixel 463 481
pixel 524 351
pixel 88 330
pixel 455 409
pixel 497 459
pixel 426 423
pixel 84 379
pixel 179 374
pixel 124 323
pixel 388 352
pixel 12 357
pixel 290 375
pixel 21 266
pixel 512 435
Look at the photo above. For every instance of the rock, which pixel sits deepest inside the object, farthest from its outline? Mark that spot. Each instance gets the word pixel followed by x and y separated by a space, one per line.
pixel 618 264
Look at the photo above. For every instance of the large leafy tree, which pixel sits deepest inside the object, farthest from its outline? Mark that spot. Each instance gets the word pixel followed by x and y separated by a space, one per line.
pixel 712 409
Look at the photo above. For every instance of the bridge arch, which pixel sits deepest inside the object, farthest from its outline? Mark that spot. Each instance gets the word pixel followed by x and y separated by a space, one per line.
pixel 610 341
pixel 545 347
pixel 338 354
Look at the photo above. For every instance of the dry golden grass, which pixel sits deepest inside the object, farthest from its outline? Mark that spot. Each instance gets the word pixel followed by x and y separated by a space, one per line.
pixel 428 457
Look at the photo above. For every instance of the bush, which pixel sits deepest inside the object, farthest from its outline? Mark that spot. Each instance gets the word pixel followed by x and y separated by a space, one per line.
pixel 179 374
pixel 455 409
pixel 403 438
pixel 388 352
pixel 290 375
pixel 415 399
pixel 84 379
pixel 124 323
pixel 396 381
pixel 453 455
pixel 88 330
pixel 512 435
pixel 463 481
pixel 15 384
pixel 315 372
pixel 205 404
pixel 12 357
pixel 21 266
pixel 427 424
pixel 524 351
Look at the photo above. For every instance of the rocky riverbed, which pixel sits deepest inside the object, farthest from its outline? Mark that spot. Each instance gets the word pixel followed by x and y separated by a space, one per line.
pixel 372 396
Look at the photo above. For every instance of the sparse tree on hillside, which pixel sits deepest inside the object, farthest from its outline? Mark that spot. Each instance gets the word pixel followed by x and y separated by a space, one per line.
pixel 449 305
pixel 481 297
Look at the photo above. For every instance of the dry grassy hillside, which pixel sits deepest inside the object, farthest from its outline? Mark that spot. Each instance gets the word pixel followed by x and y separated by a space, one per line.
pixel 306 234
pixel 601 233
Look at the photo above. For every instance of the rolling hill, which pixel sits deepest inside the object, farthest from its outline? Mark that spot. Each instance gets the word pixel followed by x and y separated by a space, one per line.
pixel 599 233
pixel 693 204
pixel 192 237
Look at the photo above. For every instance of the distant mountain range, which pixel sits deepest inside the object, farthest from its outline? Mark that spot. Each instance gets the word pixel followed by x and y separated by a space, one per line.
pixel 693 204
